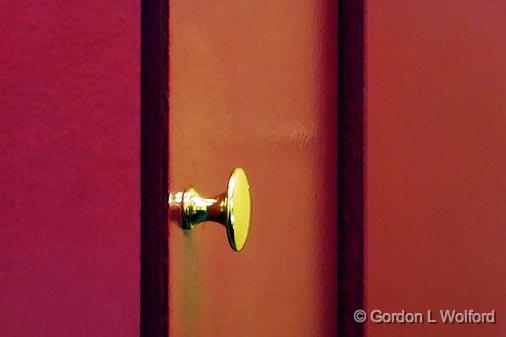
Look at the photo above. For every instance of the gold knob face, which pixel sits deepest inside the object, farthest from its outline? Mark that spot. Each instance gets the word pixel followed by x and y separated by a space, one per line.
pixel 231 208
pixel 238 209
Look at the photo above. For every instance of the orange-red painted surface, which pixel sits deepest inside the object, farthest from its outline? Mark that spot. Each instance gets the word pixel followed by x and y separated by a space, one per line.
pixel 253 85
pixel 436 162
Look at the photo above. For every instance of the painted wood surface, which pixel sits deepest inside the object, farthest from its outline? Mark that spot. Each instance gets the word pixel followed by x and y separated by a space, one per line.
pixel 254 85
pixel 69 168
pixel 436 162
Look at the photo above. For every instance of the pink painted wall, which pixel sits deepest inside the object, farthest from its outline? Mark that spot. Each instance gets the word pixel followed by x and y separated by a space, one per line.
pixel 69 168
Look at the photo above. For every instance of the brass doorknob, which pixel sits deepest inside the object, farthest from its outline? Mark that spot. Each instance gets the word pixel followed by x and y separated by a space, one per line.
pixel 231 208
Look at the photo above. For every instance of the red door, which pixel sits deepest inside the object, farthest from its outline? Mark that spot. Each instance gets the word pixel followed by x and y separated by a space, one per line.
pixel 254 85
pixel 69 168
pixel 436 163
pixel 251 85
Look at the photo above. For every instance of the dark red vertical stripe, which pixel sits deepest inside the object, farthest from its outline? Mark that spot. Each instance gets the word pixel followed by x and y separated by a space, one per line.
pixel 154 163
pixel 351 150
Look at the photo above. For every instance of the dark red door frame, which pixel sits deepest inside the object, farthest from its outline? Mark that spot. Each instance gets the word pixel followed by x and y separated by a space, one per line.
pixel 154 168
pixel 351 166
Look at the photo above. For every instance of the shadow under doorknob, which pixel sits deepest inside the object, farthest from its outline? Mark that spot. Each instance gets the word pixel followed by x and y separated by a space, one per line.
pixel 231 208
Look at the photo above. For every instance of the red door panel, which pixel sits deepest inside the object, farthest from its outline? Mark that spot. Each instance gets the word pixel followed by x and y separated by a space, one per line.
pixel 436 187
pixel 253 85
pixel 69 170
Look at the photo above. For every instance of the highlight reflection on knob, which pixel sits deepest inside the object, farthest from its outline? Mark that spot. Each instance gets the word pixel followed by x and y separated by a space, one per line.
pixel 232 208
